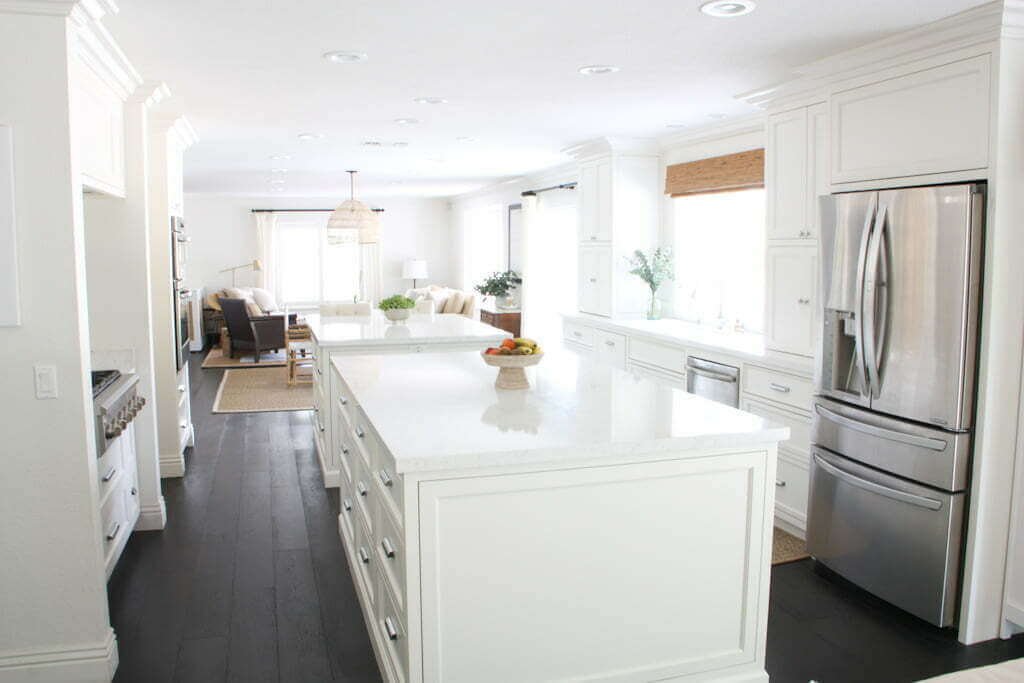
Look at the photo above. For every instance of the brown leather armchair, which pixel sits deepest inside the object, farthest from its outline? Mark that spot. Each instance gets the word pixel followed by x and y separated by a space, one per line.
pixel 253 333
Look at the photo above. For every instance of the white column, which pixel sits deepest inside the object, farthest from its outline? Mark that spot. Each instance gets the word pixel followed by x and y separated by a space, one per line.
pixel 55 624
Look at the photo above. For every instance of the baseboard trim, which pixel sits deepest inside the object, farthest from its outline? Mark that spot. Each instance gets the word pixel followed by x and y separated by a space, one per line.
pixel 172 465
pixel 789 527
pixel 88 664
pixel 1014 615
pixel 332 478
pixel 152 517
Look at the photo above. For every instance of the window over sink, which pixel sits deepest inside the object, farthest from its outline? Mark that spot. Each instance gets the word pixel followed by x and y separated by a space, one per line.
pixel 719 258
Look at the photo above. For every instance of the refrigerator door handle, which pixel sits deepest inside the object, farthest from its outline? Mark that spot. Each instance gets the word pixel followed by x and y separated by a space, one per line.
pixel 880 432
pixel 853 480
pixel 858 313
pixel 869 304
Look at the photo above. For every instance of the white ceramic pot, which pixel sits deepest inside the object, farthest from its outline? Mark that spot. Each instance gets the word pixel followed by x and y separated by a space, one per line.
pixel 397 314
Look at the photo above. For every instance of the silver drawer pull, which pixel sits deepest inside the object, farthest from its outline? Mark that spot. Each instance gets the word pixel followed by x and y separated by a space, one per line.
pixel 344 450
pixel 608 342
pixel 780 483
pixel 321 425
pixel 578 335
pixel 135 491
pixel 342 400
pixel 347 504
pixel 181 389
pixel 110 474
pixel 389 628
pixel 112 534
pixel 385 478
pixel 593 279
pixel 360 433
pixel 781 388
pixel 364 556
pixel 361 488
pixel 389 549
pixel 318 370
pixel 803 301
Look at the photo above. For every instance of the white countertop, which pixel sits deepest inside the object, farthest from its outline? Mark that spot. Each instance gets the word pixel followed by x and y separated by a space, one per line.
pixel 420 328
pixel 741 345
pixel 441 411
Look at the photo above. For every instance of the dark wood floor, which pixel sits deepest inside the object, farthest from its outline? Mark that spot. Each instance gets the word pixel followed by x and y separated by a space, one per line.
pixel 248 582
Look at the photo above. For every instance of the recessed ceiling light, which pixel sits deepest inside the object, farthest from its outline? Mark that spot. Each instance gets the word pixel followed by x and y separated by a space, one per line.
pixel 598 69
pixel 676 125
pixel 728 8
pixel 280 157
pixel 716 116
pixel 279 170
pixel 372 143
pixel 277 181
pixel 345 57
pixel 400 143
pixel 407 122
pixel 465 138
pixel 306 137
pixel 278 188
pixel 430 100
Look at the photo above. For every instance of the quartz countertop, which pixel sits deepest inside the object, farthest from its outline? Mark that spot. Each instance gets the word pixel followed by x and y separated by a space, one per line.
pixel 741 345
pixel 420 328
pixel 441 411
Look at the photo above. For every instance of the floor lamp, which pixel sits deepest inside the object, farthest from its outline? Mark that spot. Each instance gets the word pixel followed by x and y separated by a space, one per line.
pixel 255 264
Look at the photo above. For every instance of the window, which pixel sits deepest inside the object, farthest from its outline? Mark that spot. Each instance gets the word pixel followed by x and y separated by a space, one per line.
pixel 484 247
pixel 307 271
pixel 719 258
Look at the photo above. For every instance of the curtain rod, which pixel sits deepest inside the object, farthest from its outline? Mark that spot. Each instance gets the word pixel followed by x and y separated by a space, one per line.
pixel 563 186
pixel 375 210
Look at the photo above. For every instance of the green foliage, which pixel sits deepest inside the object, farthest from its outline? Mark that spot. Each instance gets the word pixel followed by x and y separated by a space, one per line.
pixel 499 284
pixel 653 269
pixel 396 302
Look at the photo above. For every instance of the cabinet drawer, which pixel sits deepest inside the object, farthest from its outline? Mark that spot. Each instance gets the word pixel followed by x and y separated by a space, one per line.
pixel 347 517
pixel 791 483
pixel 663 356
pixel 391 632
pixel 365 562
pixel 390 483
pixel 364 439
pixel 578 334
pixel 364 494
pixel 799 442
pixel 611 347
pixel 346 456
pixel 778 386
pixel 390 551
pixel 114 523
pixel 109 466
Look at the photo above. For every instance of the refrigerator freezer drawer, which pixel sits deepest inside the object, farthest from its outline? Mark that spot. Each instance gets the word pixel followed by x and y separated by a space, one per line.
pixel 895 539
pixel 931 456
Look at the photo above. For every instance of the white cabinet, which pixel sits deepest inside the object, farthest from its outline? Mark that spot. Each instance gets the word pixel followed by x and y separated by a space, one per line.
pixel 595 203
pixel 610 348
pixel 98 126
pixel 786 174
pixel 791 298
pixel 930 121
pixel 817 166
pixel 595 275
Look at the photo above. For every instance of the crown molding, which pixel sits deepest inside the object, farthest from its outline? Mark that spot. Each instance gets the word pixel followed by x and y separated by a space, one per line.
pixel 964 30
pixel 1013 19
pixel 98 50
pixel 150 94
pixel 178 126
pixel 753 123
pixel 50 8
pixel 612 145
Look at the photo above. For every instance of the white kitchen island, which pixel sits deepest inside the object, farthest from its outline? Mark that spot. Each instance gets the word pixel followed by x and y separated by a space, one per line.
pixel 355 334
pixel 597 526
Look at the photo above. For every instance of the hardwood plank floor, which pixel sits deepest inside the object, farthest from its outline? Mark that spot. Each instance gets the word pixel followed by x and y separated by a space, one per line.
pixel 248 583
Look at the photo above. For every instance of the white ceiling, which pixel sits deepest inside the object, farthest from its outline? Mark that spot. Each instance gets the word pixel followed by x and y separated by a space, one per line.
pixel 250 77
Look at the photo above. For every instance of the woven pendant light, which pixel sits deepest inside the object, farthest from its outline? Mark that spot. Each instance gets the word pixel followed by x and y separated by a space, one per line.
pixel 352 218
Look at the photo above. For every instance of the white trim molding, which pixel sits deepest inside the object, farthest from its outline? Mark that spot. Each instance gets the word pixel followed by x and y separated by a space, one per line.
pixel 88 662
pixel 152 517
pixel 612 145
pixel 98 50
pixel 172 466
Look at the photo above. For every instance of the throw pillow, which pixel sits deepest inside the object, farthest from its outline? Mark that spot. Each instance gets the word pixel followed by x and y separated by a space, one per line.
pixel 242 293
pixel 253 309
pixel 455 302
pixel 264 299
pixel 439 297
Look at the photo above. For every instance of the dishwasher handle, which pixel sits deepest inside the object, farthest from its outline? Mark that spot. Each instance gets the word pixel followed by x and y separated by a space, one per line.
pixel 718 376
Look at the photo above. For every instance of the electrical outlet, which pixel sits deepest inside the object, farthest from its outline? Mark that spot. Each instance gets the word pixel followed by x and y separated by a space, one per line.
pixel 46 381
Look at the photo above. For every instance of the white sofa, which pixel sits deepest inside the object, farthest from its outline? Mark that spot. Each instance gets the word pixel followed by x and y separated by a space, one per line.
pixel 437 299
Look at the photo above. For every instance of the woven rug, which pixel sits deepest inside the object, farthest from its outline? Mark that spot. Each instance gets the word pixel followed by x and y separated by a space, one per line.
pixel 216 359
pixel 787 548
pixel 261 390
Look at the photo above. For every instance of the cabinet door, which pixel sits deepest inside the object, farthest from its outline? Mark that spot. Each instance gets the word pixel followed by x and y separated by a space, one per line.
pixel 604 201
pixel 931 121
pixel 786 175
pixel 817 165
pixel 792 299
pixel 588 208
pixel 595 272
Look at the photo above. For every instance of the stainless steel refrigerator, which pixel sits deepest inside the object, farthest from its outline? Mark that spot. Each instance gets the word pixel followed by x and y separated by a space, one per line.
pixel 891 439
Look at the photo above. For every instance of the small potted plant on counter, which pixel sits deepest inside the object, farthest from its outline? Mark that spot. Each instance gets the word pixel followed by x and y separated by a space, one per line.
pixel 501 286
pixel 396 307
pixel 653 270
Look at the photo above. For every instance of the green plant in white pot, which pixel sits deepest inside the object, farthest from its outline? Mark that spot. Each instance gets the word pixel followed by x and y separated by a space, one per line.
pixel 396 307
pixel 653 269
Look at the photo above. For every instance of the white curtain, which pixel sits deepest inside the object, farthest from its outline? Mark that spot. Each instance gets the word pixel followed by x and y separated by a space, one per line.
pixel 371 272
pixel 531 293
pixel 265 237
pixel 550 252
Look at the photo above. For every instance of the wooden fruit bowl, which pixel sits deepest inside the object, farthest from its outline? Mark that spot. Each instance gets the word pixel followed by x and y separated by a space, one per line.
pixel 511 373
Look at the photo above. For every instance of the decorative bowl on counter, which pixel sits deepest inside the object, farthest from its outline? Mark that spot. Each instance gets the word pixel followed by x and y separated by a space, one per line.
pixel 397 314
pixel 511 372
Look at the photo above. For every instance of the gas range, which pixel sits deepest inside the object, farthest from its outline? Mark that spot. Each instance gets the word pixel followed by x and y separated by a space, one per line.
pixel 115 403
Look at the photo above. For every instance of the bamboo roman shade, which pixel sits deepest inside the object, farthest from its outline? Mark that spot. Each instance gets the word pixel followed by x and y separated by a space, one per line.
pixel 741 171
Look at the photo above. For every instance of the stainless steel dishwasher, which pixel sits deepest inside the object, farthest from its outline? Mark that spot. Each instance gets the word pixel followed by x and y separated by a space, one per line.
pixel 714 381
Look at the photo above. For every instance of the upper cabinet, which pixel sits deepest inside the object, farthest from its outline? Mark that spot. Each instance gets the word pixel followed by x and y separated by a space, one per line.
pixel 595 207
pixel 930 121
pixel 796 171
pixel 98 125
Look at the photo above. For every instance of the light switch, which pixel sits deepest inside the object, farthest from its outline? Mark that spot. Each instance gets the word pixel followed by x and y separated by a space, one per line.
pixel 46 381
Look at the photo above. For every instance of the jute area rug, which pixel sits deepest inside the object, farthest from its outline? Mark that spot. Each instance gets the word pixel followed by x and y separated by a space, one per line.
pixel 787 548
pixel 261 390
pixel 216 359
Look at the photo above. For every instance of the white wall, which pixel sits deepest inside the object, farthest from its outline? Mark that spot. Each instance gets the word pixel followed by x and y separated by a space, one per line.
pixel 223 234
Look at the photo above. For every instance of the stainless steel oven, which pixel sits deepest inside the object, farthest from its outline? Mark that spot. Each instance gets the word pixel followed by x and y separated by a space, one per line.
pixel 182 296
